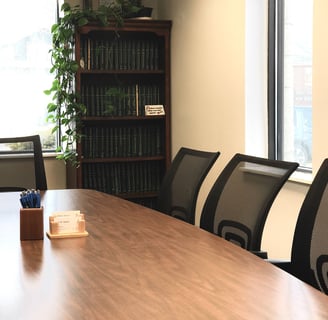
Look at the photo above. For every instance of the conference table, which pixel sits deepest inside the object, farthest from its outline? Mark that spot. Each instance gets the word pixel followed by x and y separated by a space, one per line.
pixel 137 263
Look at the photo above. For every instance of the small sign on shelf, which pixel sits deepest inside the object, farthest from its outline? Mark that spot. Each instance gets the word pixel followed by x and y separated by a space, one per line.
pixel 154 110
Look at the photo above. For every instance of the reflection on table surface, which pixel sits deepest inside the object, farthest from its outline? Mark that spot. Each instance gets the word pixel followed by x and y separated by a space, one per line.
pixel 137 263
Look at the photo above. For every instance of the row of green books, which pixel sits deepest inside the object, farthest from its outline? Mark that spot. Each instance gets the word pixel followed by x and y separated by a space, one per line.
pixel 127 177
pixel 129 100
pixel 120 54
pixel 133 141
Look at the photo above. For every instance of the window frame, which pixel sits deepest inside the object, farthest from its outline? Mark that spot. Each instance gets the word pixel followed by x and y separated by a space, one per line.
pixel 275 78
pixel 276 82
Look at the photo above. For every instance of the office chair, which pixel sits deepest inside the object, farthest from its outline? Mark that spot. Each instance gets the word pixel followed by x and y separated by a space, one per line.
pixel 180 187
pixel 16 177
pixel 309 256
pixel 237 206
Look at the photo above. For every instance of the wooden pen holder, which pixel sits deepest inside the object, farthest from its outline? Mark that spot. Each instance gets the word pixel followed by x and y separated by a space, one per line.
pixel 31 223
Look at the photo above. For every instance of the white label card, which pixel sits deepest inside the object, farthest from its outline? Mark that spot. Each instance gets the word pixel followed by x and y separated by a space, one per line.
pixel 154 110
pixel 68 221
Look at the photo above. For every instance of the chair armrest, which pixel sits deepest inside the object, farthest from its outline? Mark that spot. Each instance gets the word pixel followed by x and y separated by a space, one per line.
pixel 290 268
pixel 179 213
pixel 281 264
pixel 260 254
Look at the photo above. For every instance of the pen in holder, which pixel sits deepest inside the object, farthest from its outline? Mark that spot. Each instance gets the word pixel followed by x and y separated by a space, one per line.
pixel 31 216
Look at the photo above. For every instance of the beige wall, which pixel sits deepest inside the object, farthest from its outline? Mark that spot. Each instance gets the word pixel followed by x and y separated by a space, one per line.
pixel 320 81
pixel 207 78
pixel 56 173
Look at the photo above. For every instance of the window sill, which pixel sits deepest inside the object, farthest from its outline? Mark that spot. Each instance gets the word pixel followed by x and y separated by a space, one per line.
pixel 50 154
pixel 26 155
pixel 301 177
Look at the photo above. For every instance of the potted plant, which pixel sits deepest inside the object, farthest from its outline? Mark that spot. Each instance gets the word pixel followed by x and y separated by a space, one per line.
pixel 65 109
pixel 141 12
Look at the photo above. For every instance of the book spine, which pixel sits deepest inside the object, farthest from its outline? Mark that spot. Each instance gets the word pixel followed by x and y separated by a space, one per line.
pixel 88 54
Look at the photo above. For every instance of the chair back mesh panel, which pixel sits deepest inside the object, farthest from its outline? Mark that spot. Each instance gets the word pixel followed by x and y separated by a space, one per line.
pixel 309 257
pixel 181 184
pixel 319 244
pixel 238 203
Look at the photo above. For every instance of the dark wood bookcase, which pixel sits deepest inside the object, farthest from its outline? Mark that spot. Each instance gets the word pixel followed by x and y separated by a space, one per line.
pixel 123 151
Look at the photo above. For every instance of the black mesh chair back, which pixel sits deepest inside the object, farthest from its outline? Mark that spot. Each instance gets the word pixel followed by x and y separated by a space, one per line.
pixel 309 259
pixel 15 176
pixel 238 203
pixel 181 184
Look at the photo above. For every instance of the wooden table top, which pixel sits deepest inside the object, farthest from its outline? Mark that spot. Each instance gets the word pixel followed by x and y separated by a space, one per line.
pixel 139 264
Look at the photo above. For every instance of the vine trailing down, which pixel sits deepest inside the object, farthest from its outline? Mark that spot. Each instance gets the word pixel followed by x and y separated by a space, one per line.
pixel 65 108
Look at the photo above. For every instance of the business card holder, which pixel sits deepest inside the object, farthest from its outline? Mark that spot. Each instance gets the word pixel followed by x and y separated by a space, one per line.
pixel 58 229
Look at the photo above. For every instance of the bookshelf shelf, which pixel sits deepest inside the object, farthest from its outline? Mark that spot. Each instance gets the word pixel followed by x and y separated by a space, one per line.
pixel 123 151
pixel 123 118
pixel 123 72
pixel 127 159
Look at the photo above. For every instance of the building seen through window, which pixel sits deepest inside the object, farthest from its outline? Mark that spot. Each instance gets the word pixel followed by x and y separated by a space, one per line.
pixel 24 67
pixel 290 78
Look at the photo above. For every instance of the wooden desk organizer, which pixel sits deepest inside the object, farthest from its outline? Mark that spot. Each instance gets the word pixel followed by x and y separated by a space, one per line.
pixel 31 223
pixel 55 229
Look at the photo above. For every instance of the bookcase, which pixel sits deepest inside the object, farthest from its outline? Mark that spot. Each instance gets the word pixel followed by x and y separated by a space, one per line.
pixel 124 151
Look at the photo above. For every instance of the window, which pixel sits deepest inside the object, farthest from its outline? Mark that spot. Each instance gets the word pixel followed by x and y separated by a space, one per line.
pixel 290 81
pixel 24 69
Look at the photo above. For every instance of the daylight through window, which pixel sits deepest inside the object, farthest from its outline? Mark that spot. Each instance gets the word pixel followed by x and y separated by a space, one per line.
pixel 290 81
pixel 24 65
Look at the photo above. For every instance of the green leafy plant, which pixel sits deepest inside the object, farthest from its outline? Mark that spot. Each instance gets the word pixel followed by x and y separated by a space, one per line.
pixel 65 108
pixel 113 96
